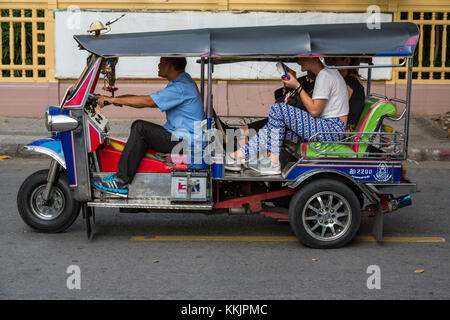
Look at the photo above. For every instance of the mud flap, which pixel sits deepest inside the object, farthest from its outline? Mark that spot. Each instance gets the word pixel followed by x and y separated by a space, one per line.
pixel 377 229
pixel 88 214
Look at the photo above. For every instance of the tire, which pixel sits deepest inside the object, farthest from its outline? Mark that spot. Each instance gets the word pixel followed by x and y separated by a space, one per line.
pixel 335 225
pixel 59 215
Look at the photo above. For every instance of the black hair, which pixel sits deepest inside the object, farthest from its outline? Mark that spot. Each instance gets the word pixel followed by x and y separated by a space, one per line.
pixel 179 63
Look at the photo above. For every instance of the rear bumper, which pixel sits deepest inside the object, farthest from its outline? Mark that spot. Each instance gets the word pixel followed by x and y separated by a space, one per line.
pixel 404 187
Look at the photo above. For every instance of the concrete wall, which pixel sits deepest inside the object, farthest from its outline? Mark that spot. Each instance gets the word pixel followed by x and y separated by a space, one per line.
pixel 68 58
pixel 232 98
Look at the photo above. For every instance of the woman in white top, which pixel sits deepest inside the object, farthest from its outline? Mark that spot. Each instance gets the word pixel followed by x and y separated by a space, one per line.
pixel 327 112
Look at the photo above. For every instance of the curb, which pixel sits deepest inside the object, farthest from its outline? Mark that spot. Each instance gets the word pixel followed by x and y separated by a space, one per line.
pixel 16 150
pixel 429 154
pixel 417 154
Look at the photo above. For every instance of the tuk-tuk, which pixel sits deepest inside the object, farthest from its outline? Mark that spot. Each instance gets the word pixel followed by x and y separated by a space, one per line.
pixel 324 188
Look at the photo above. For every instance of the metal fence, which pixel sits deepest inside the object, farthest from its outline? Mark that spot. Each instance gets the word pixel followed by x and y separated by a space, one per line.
pixel 26 46
pixel 432 57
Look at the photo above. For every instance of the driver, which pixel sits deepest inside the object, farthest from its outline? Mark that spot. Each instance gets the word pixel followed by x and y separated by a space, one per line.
pixel 182 103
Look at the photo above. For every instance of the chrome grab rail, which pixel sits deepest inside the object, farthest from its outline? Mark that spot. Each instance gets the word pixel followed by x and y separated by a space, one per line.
pixel 349 135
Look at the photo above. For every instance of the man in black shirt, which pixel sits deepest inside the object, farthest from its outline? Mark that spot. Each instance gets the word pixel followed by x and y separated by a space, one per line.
pixel 355 89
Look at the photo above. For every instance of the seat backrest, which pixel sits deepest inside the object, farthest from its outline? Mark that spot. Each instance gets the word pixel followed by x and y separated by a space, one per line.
pixel 368 104
pixel 378 110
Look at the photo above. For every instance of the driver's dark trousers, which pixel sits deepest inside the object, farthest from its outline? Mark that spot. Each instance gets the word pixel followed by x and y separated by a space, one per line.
pixel 143 135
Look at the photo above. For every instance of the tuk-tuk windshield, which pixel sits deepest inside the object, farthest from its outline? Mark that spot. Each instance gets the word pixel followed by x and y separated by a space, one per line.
pixel 90 60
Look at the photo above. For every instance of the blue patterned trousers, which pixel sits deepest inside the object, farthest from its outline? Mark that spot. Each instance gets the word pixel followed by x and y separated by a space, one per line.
pixel 287 122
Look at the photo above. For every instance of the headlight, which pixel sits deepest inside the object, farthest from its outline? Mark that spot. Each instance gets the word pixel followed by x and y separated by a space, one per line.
pixel 59 122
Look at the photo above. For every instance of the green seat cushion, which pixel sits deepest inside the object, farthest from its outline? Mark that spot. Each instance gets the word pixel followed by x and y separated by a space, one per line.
pixel 319 149
pixel 373 110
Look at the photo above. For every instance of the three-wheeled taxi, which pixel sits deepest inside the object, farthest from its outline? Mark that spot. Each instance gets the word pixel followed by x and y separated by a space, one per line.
pixel 324 188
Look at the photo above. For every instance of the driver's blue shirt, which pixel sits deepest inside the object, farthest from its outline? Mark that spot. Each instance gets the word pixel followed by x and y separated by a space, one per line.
pixel 182 103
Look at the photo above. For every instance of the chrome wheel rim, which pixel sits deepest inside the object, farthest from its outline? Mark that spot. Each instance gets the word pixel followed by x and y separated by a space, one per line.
pixel 55 206
pixel 326 216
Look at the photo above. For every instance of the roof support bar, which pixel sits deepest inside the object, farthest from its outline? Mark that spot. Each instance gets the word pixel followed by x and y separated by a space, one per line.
pixel 209 95
pixel 369 82
pixel 369 66
pixel 408 104
pixel 202 79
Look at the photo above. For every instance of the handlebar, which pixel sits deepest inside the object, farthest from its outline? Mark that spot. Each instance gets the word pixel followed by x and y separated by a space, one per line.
pixel 92 99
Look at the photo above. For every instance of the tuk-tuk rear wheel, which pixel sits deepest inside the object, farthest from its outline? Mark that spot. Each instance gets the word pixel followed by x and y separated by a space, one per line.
pixel 55 216
pixel 324 214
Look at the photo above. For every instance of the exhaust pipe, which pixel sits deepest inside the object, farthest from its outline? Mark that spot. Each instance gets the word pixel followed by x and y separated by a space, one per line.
pixel 404 201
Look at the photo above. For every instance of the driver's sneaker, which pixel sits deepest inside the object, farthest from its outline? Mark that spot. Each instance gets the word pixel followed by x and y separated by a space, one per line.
pixel 111 184
pixel 265 166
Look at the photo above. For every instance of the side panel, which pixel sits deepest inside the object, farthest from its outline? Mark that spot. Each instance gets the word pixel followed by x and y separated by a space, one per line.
pixel 75 142
pixel 69 154
pixel 75 151
pixel 109 154
pixel 78 99
pixel 144 186
pixel 358 170
pixel 95 137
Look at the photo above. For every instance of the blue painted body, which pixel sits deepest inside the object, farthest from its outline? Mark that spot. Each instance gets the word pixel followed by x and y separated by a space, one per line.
pixel 403 51
pixel 53 144
pixel 359 171
pixel 60 147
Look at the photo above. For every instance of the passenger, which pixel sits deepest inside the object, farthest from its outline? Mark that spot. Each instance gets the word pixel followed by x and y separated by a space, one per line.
pixel 290 96
pixel 327 112
pixel 281 95
pixel 355 89
pixel 182 103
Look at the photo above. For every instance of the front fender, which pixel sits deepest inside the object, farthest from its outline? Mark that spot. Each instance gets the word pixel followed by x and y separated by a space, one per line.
pixel 49 146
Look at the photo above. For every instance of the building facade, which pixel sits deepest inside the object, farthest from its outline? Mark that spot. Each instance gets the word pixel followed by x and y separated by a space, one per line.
pixel 36 65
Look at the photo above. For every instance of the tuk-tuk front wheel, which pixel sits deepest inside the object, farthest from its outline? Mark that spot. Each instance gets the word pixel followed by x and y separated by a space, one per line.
pixel 325 214
pixel 55 216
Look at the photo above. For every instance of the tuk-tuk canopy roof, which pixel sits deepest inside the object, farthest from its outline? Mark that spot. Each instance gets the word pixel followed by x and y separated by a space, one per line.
pixel 352 39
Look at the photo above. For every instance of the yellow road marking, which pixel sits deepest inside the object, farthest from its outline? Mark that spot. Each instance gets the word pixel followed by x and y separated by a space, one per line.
pixel 401 239
pixel 217 238
pixel 276 238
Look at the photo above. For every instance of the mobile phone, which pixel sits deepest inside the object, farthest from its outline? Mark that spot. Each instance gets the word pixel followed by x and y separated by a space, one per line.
pixel 283 70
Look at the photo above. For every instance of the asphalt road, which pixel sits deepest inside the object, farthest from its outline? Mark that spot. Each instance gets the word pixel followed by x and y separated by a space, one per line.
pixel 114 266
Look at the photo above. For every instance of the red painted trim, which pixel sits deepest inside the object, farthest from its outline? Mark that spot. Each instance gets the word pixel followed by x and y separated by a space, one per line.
pixel 275 215
pixel 78 97
pixel 94 83
pixel 347 160
pixel 304 148
pixel 412 41
pixel 255 200
pixel 109 159
pixel 384 201
pixel 85 87
pixel 341 166
pixel 94 137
